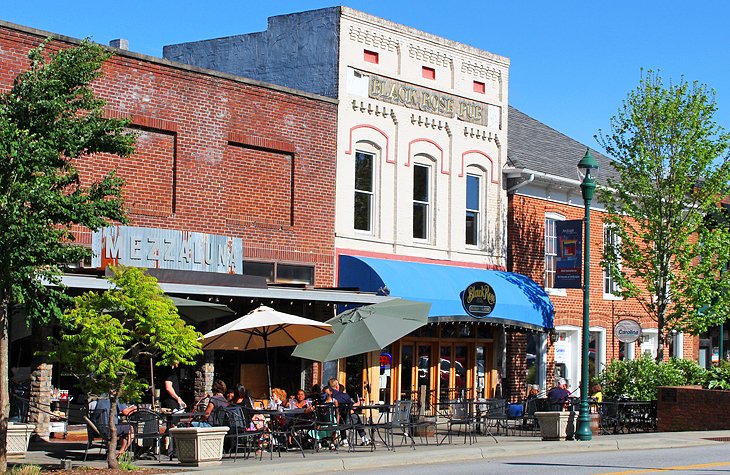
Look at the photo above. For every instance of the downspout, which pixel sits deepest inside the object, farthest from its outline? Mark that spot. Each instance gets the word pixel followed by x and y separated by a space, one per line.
pixel 521 184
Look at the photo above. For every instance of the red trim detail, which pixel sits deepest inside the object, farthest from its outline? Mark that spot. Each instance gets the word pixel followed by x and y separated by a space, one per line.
pixel 371 56
pixel 441 158
pixel 491 164
pixel 368 126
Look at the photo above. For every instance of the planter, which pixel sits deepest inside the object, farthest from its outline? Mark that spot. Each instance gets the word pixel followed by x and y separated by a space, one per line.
pixel 18 437
pixel 556 425
pixel 197 446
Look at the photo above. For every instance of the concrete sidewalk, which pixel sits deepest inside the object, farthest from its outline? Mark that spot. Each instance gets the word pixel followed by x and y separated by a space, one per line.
pixel 51 453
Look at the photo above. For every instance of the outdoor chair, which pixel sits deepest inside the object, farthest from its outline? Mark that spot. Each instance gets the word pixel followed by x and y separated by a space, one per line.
pixel 460 417
pixel 147 434
pixel 241 434
pixel 421 424
pixel 97 430
pixel 399 424
pixel 327 426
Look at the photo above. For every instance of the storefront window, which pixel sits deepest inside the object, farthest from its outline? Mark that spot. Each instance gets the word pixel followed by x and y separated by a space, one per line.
pixel 424 366
pixel 354 370
pixel 445 373
pixel 406 371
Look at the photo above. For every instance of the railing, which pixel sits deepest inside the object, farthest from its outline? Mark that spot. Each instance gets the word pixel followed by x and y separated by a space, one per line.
pixel 426 401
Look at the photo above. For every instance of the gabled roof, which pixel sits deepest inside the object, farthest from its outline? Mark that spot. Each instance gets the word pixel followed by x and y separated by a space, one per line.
pixel 538 147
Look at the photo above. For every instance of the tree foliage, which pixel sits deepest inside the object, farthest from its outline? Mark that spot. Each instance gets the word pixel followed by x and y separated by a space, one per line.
pixel 110 332
pixel 48 119
pixel 672 161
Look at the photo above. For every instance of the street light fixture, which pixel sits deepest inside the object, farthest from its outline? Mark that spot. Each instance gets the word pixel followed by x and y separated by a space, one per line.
pixel 587 165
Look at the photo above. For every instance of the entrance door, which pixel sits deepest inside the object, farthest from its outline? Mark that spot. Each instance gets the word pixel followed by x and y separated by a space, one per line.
pixel 453 366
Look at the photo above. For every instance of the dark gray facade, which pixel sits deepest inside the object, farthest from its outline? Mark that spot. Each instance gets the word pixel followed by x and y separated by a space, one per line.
pixel 300 51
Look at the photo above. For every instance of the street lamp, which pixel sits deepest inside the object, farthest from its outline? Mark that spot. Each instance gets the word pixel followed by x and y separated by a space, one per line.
pixel 587 187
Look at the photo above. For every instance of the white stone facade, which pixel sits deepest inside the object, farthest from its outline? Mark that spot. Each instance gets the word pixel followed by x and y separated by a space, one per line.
pixel 390 109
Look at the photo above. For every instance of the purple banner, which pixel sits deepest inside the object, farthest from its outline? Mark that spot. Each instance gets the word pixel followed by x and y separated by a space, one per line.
pixel 570 251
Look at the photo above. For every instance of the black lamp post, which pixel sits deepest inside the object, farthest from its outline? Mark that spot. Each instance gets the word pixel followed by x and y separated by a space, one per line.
pixel 587 187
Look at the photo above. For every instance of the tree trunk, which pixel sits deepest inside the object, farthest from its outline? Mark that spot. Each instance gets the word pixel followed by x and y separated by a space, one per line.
pixel 660 339
pixel 111 452
pixel 4 379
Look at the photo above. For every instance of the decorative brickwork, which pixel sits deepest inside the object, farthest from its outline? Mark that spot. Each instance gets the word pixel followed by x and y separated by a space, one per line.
pixel 517 366
pixel 685 408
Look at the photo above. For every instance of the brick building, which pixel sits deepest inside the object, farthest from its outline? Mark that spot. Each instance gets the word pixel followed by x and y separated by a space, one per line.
pixel 219 159
pixel 543 187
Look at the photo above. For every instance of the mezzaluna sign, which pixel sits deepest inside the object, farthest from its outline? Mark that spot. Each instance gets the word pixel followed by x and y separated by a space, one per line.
pixel 403 94
pixel 167 249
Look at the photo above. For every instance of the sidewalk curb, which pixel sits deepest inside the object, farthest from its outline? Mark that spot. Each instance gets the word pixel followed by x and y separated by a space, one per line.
pixel 505 448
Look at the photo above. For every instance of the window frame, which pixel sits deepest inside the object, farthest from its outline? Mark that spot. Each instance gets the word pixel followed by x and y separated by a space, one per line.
pixel 478 227
pixel 551 217
pixel 610 287
pixel 371 194
pixel 427 205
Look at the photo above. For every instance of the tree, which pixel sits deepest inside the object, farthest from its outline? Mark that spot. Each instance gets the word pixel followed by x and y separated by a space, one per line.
pixel 109 333
pixel 48 119
pixel 672 162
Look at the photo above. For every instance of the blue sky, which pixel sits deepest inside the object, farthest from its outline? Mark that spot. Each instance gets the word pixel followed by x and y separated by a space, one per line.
pixel 572 62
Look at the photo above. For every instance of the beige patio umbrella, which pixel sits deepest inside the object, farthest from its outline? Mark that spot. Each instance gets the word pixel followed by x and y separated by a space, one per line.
pixel 264 328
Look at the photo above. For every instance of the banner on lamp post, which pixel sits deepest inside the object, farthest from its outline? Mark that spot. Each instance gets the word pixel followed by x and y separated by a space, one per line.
pixel 569 260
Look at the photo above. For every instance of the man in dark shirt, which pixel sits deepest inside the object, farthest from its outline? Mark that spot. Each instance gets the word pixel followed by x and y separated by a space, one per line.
pixel 346 405
pixel 171 390
pixel 559 394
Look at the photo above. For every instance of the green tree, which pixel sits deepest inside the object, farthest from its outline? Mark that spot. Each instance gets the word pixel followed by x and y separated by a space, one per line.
pixel 110 332
pixel 48 119
pixel 672 162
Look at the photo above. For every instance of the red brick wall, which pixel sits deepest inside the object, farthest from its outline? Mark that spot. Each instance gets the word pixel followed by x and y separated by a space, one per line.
pixel 516 367
pixel 526 225
pixel 685 408
pixel 215 155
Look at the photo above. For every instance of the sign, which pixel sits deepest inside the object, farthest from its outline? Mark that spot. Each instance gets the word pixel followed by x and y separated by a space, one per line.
pixel 385 360
pixel 568 262
pixel 155 248
pixel 433 102
pixel 479 299
pixel 627 331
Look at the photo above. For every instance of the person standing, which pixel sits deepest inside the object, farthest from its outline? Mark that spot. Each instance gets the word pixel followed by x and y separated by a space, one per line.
pixel 171 390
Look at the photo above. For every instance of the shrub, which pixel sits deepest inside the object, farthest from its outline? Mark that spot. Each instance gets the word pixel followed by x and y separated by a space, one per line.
pixel 639 379
pixel 718 377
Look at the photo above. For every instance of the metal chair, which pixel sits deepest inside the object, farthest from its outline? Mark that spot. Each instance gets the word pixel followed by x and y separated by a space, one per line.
pixel 147 434
pixel 241 433
pixel 97 430
pixel 400 424
pixel 460 417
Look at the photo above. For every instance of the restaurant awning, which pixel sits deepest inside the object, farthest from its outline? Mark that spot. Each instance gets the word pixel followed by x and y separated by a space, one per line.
pixel 335 296
pixel 519 300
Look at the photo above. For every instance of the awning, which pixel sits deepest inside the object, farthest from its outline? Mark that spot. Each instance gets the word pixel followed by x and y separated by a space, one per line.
pixel 520 301
pixel 335 296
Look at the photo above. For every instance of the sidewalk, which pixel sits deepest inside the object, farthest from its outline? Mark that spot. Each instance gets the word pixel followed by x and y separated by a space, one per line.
pixel 50 453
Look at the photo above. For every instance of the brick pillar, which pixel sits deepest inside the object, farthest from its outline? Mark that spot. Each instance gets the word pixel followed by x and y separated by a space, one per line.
pixel 516 366
pixel 204 375
pixel 40 399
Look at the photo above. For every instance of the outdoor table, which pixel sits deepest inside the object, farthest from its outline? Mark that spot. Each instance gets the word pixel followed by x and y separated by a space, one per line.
pixel 384 411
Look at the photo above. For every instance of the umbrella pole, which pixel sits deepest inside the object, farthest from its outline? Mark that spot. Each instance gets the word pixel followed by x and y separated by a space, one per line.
pixel 268 371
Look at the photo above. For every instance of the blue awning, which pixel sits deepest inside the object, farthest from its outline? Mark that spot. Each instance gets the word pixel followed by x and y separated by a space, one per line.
pixel 520 301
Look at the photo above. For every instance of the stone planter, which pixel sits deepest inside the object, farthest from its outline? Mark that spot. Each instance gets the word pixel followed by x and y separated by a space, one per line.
pixel 556 425
pixel 198 446
pixel 18 437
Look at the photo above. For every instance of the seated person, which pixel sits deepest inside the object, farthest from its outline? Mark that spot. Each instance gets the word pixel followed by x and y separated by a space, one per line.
pixel 278 396
pixel 559 394
pixel 300 401
pixel 242 397
pixel 125 432
pixel 217 400
pixel 345 402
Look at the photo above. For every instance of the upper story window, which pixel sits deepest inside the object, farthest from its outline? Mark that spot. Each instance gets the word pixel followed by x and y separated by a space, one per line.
pixel 610 243
pixel 428 73
pixel 371 56
pixel 473 209
pixel 421 201
pixel 364 191
pixel 480 87
pixel 551 250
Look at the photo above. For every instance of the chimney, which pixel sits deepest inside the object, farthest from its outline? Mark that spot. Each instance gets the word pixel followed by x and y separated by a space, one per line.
pixel 120 43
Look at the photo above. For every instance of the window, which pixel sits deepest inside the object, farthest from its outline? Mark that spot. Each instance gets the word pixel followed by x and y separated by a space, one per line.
pixel 473 214
pixel 364 191
pixel 428 73
pixel 371 57
pixel 551 249
pixel 421 200
pixel 610 242
pixel 479 87
pixel 275 272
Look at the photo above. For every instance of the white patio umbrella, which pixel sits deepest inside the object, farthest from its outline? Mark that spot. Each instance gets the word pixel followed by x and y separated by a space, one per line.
pixel 264 328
